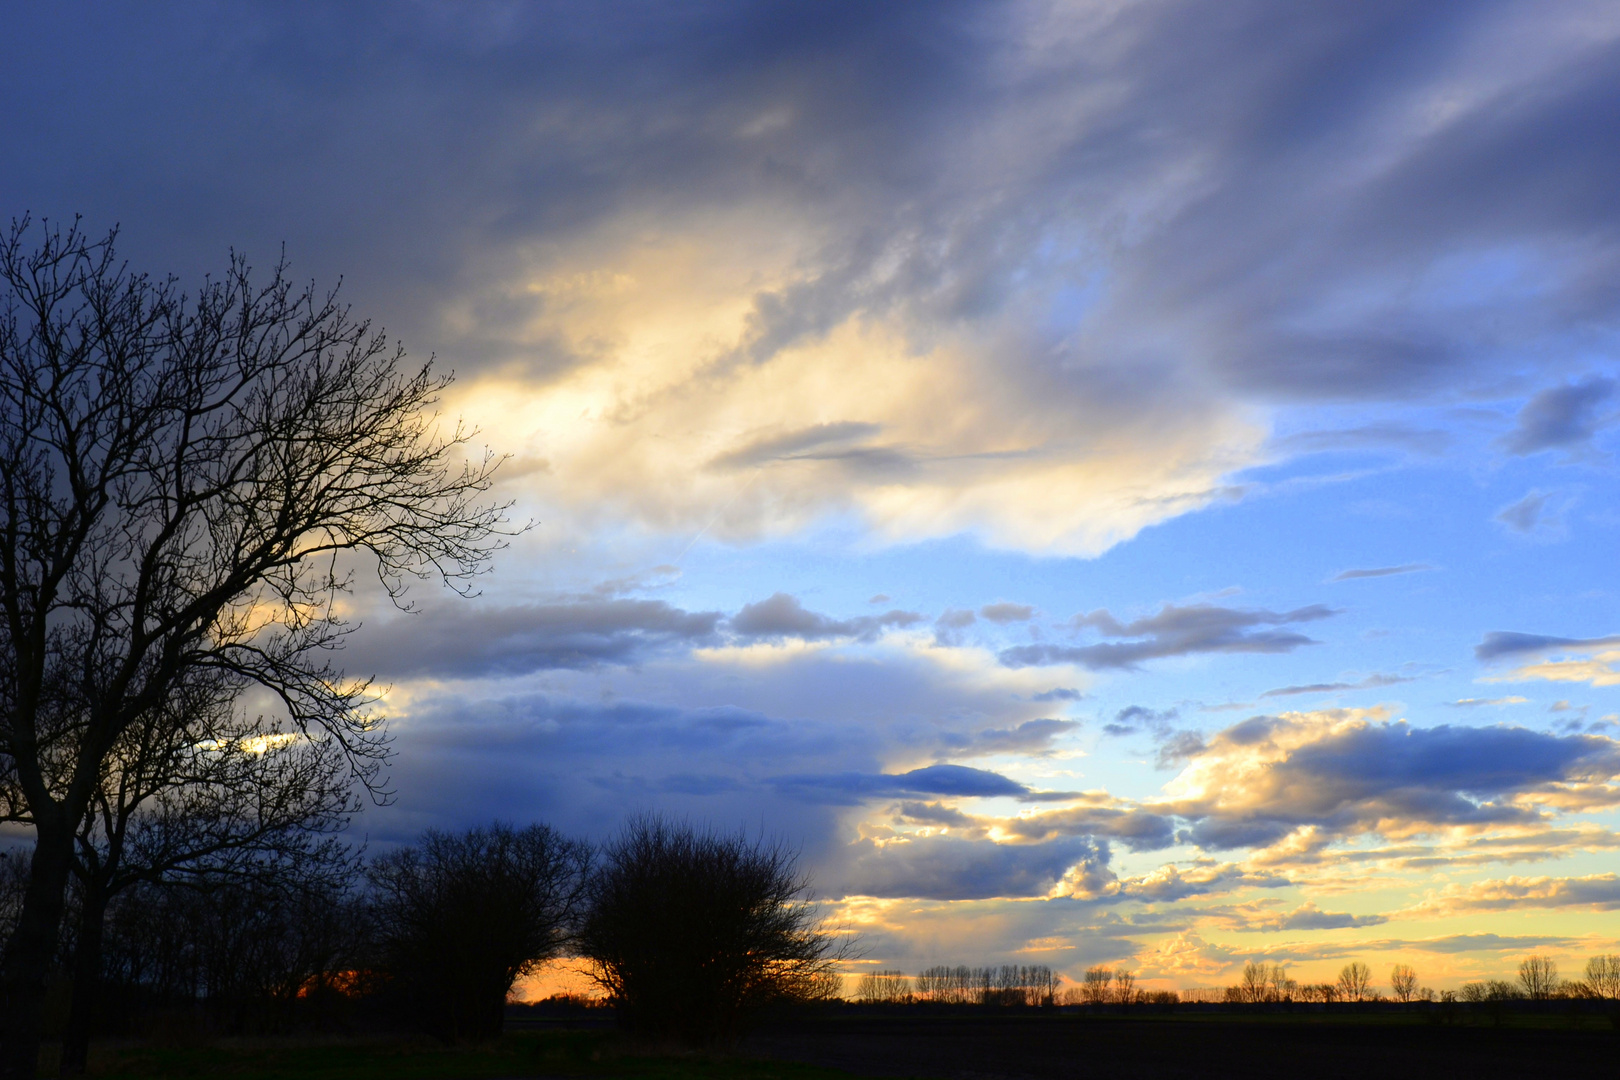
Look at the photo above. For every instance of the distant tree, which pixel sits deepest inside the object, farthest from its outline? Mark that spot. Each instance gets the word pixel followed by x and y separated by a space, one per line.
pixel 1355 981
pixel 883 988
pixel 461 916
pixel 1046 985
pixel 1603 975
pixel 1096 983
pixel 689 931
pixel 1255 984
pixel 1281 988
pixel 1538 977
pixel 1124 987
pixel 188 482
pixel 1403 983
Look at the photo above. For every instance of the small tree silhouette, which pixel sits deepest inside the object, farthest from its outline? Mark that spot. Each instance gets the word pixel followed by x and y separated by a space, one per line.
pixel 1538 975
pixel 1355 980
pixel 1603 975
pixel 461 916
pixel 1403 982
pixel 689 931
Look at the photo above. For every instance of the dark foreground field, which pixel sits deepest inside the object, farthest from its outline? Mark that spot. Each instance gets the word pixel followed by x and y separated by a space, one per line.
pixel 1148 1048
pixel 966 1046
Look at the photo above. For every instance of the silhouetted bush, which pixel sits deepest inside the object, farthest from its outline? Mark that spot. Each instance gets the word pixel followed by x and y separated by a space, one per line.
pixel 459 917
pixel 689 931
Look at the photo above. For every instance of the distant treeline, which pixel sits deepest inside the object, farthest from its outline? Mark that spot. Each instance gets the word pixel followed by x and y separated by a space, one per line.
pixel 1259 984
pixel 1008 984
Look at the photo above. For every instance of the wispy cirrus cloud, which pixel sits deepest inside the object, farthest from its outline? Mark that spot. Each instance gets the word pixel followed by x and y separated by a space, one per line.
pixel 1380 571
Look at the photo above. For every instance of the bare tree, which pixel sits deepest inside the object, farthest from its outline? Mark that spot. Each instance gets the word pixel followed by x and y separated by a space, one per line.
pixel 245 803
pixel 1254 985
pixel 883 988
pixel 1403 982
pixel 1355 980
pixel 183 482
pixel 462 915
pixel 1603 976
pixel 1124 987
pixel 1538 976
pixel 688 931
pixel 1095 984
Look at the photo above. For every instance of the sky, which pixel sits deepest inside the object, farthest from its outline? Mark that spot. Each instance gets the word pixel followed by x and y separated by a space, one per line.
pixel 1110 482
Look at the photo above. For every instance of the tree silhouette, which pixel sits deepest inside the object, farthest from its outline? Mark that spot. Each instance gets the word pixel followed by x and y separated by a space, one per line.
pixel 1538 976
pixel 186 482
pixel 1603 975
pixel 461 916
pixel 1403 982
pixel 1355 980
pixel 689 931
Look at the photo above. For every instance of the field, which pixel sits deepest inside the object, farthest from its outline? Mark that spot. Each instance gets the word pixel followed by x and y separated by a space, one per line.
pixel 964 1046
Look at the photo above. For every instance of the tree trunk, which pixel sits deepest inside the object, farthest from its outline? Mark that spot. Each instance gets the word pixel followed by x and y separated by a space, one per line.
pixel 86 979
pixel 30 951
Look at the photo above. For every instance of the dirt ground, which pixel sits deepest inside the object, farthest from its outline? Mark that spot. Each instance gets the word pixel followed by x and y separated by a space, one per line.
pixel 1048 1048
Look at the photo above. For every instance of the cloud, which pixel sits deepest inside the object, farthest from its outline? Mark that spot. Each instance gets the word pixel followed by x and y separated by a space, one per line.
pixel 1344 773
pixel 1370 682
pixel 947 868
pixel 1524 515
pixel 1030 737
pixel 1562 417
pixel 1595 661
pixel 958 780
pixel 1474 703
pixel 783 616
pixel 1594 892
pixel 471 640
pixel 1134 718
pixel 1137 829
pixel 1005 253
pixel 1256 919
pixel 1174 631
pixel 1170 884
pixel 1380 571
pixel 1499 643
pixel 1005 611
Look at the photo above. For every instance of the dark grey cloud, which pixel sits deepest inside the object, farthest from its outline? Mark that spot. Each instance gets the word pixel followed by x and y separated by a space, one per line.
pixel 470 640
pixel 1309 917
pixel 1428 442
pixel 1380 571
pixel 1524 515
pixel 782 616
pixel 1134 718
pixel 1061 693
pixel 1174 631
pixel 1005 611
pixel 1171 885
pixel 1030 737
pixel 1463 943
pixel 1137 829
pixel 957 780
pixel 812 443
pixel 1364 776
pixel 1561 418
pixel 948 868
pixel 1498 644
pixel 1371 682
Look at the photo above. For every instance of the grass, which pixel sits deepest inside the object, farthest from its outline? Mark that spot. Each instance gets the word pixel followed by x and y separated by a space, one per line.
pixel 526 1054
